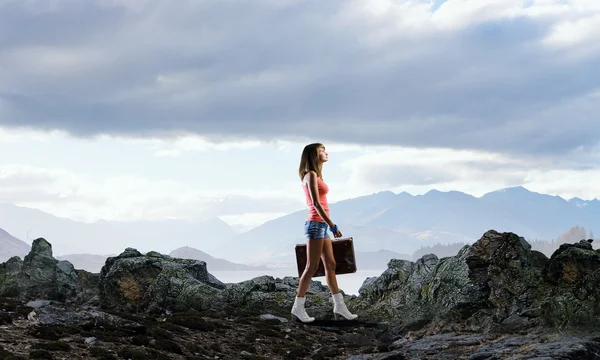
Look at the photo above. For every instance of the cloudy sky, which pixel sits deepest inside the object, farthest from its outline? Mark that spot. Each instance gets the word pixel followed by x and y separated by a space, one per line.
pixel 139 109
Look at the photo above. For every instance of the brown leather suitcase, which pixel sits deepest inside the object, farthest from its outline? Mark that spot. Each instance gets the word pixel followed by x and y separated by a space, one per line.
pixel 343 252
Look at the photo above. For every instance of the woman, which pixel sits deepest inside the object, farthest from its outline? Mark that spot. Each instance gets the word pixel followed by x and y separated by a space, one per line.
pixel 318 243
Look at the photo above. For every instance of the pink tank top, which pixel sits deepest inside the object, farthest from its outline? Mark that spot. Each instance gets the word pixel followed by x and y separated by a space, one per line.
pixel 313 215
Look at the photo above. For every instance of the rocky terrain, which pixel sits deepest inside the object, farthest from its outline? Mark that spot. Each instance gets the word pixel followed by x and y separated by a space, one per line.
pixel 496 299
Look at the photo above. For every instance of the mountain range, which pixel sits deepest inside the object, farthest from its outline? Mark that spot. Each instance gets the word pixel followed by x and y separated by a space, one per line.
pixel 11 246
pixel 404 223
pixel 94 263
pixel 109 237
pixel 401 223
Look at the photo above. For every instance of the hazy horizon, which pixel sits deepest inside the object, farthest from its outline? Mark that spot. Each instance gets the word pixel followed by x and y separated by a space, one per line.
pixel 302 208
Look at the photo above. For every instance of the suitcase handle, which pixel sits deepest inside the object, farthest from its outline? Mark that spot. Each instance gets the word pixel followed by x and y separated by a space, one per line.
pixel 343 238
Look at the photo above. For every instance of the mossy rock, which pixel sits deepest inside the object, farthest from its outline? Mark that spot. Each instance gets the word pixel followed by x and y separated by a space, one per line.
pixel 5 318
pixel 52 346
pixel 160 333
pixel 168 345
pixel 15 307
pixel 52 332
pixel 133 354
pixel 193 320
pixel 7 355
pixel 102 354
pixel 172 328
pixel 40 354
pixel 140 340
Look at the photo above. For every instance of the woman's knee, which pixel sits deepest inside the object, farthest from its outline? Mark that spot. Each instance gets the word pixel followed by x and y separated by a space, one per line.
pixel 312 268
pixel 330 266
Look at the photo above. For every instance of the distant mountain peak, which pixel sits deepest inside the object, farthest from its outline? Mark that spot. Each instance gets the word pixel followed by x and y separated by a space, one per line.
pixel 188 252
pixel 512 190
pixel 433 192
pixel 11 246
pixel 515 189
pixel 385 193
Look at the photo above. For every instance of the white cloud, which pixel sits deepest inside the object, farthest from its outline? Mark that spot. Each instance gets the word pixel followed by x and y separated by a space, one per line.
pixel 390 19
pixel 26 134
pixel 190 143
pixel 577 31
pixel 126 197
pixel 391 72
pixel 420 170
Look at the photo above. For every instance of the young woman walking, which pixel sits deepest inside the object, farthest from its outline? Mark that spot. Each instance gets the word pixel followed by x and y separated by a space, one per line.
pixel 318 242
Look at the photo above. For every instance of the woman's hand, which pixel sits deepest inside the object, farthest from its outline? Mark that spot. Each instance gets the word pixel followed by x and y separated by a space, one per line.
pixel 337 234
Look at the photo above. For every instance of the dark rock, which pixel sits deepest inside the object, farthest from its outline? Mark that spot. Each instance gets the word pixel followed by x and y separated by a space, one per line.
pixel 269 317
pixel 63 315
pixel 538 259
pixel 5 318
pixel 384 356
pixel 495 299
pixel 87 291
pixel 135 282
pixel 266 292
pixel 516 322
pixel 571 263
pixel 41 276
pixel 492 285
pixel 40 354
pixel 8 277
pixel 36 304
pixel 38 276
pixel 534 345
pixel 571 295
pixel 532 313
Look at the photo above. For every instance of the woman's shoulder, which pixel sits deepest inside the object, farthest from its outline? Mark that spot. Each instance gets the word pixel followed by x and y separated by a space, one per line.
pixel 310 176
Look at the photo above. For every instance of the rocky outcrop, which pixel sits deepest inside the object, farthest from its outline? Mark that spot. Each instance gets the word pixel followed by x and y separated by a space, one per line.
pixel 40 276
pixel 9 272
pixel 148 283
pixel 494 299
pixel 498 284
pixel 155 283
pixel 571 292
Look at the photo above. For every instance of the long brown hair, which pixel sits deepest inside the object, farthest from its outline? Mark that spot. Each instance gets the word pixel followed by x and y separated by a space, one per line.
pixel 309 161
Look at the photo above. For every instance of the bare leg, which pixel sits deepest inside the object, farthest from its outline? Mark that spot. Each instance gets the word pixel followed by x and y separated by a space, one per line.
pixel 339 307
pixel 329 263
pixel 314 248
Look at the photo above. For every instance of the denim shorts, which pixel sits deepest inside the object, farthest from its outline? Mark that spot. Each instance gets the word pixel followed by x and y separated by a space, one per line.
pixel 315 230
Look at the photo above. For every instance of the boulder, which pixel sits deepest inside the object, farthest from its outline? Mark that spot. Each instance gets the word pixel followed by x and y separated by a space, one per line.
pixel 496 284
pixel 8 276
pixel 155 283
pixel 278 295
pixel 40 276
pixel 571 278
pixel 135 282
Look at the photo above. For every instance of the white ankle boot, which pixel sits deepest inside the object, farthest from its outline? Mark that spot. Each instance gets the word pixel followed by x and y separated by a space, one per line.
pixel 299 312
pixel 340 309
